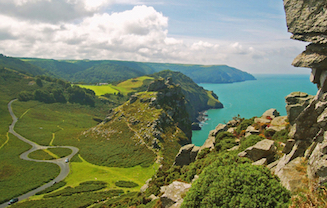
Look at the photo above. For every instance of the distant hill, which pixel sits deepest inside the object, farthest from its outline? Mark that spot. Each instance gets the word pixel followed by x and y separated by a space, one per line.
pixel 206 73
pixel 20 66
pixel 89 71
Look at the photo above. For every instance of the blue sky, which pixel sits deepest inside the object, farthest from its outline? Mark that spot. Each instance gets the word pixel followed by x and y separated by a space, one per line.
pixel 249 35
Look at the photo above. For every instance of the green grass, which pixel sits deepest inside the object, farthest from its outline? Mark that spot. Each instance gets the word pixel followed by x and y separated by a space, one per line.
pixel 50 124
pixel 123 87
pixel 50 153
pixel 18 176
pixel 85 171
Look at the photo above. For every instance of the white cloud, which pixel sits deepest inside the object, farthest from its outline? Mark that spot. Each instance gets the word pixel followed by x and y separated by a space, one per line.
pixel 139 34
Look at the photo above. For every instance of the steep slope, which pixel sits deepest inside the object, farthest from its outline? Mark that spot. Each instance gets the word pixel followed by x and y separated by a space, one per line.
pixel 83 70
pixel 154 122
pixel 198 99
pixel 20 66
pixel 206 73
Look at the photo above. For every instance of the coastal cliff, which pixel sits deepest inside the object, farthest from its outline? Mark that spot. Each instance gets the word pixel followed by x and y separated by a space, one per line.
pixel 307 21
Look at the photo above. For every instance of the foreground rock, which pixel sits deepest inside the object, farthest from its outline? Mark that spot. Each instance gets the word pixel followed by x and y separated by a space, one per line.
pixel 296 102
pixel 263 149
pixel 186 155
pixel 173 194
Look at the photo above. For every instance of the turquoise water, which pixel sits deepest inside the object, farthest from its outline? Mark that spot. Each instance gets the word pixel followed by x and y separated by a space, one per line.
pixel 251 98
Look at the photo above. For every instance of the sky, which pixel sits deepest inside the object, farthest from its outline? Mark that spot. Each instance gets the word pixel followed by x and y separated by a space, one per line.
pixel 249 35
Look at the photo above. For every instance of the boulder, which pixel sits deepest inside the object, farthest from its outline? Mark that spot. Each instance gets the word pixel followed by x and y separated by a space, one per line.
pixel 262 120
pixel 296 102
pixel 270 114
pixel 262 161
pixel 290 175
pixel 219 128
pixel 288 146
pixel 209 143
pixel 278 123
pixel 196 126
pixel 184 155
pixel 251 130
pixel 263 149
pixel 174 193
pixel 317 163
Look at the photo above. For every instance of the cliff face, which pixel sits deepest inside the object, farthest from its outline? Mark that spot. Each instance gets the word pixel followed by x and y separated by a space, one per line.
pixel 307 20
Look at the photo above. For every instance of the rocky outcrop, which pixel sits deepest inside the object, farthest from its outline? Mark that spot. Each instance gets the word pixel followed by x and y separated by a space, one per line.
pixel 173 194
pixel 296 102
pixel 186 155
pixel 306 20
pixel 263 149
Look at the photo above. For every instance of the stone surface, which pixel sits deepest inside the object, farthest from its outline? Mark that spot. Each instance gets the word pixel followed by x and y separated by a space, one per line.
pixel 317 163
pixel 279 123
pixel 290 176
pixel 263 149
pixel 262 120
pixel 174 193
pixel 270 114
pixel 262 161
pixel 219 128
pixel 288 146
pixel 184 155
pixel 296 102
pixel 209 143
pixel 251 130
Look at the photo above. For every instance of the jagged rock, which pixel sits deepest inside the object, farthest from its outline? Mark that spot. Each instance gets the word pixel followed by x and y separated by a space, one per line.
pixel 262 161
pixel 233 148
pixel 186 155
pixel 209 143
pixel 296 102
pixel 219 128
pixel 157 85
pixel 279 123
pixel 132 99
pixel 290 176
pixel 317 163
pixel 251 130
pixel 145 186
pixel 173 193
pixel 288 146
pixel 272 165
pixel 298 150
pixel 262 120
pixel 263 149
pixel 270 114
pixel 196 126
pixel 153 197
pixel 233 123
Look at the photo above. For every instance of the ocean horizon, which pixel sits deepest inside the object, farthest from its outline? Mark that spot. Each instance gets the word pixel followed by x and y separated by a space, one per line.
pixel 251 98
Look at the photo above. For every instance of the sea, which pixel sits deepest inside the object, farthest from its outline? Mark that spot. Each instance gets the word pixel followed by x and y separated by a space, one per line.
pixel 251 98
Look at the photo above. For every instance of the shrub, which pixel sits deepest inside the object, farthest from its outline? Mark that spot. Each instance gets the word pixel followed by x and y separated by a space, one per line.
pixel 242 185
pixel 225 140
pixel 126 184
pixel 244 124
pixel 281 136
pixel 249 141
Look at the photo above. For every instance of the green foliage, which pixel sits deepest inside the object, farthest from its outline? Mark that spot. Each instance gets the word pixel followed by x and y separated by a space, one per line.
pixel 40 155
pixel 244 124
pixel 52 188
pixel 77 200
pixel 18 176
pixel 25 96
pixel 39 82
pixel 269 133
pixel 133 199
pixel 60 152
pixel 81 95
pixel 88 186
pixel 224 141
pixel 249 141
pixel 281 136
pixel 126 184
pixel 242 185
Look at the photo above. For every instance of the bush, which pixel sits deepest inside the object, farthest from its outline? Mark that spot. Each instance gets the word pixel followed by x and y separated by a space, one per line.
pixel 52 188
pixel 245 123
pixel 250 141
pixel 126 184
pixel 281 136
pixel 225 140
pixel 242 185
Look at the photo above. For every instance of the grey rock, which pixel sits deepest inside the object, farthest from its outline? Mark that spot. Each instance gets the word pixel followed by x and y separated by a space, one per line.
pixel 209 143
pixel 174 193
pixel 184 155
pixel 290 177
pixel 270 114
pixel 317 163
pixel 296 102
pixel 262 161
pixel 263 149
pixel 219 128
pixel 278 123
pixel 288 146
pixel 251 130
pixel 262 120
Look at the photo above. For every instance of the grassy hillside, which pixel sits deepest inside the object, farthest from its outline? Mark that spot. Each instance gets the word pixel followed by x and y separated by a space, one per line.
pixel 89 71
pixel 20 66
pixel 206 73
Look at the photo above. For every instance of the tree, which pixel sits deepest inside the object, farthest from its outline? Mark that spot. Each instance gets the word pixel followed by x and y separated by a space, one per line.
pixel 39 82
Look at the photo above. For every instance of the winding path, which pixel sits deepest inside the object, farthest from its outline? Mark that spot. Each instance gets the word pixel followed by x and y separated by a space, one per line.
pixel 64 167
